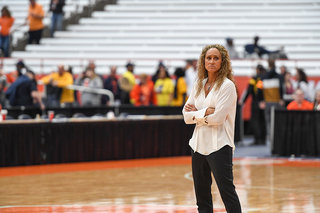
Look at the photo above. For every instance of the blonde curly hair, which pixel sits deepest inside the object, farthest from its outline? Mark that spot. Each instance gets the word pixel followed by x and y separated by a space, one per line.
pixel 224 72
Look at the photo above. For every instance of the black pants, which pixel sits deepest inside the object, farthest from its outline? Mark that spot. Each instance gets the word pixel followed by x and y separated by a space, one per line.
pixel 258 125
pixel 220 164
pixel 35 35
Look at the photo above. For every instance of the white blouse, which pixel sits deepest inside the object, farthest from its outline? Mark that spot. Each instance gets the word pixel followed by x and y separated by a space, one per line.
pixel 216 130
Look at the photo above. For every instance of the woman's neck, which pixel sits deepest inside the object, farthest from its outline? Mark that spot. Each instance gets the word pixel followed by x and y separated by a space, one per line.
pixel 211 78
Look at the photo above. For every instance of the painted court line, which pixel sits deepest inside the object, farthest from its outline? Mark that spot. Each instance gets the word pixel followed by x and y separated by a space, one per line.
pixel 91 166
pixel 102 165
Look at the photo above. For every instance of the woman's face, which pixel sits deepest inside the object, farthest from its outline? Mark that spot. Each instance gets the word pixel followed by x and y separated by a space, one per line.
pixel 287 76
pixel 89 73
pixel 213 60
pixel 162 73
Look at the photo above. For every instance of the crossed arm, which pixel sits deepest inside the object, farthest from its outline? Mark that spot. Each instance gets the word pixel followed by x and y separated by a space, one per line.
pixel 191 107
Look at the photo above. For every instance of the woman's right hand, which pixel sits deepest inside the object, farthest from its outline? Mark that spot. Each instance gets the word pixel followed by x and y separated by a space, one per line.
pixel 209 111
pixel 190 107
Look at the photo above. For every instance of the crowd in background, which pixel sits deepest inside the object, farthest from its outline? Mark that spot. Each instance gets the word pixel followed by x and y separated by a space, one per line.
pixel 19 87
pixel 268 89
pixel 160 89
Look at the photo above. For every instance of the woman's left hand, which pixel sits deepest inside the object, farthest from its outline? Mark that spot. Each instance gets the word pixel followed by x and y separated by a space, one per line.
pixel 190 108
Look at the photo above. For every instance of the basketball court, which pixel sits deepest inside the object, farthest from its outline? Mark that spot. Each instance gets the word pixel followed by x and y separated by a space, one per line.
pixel 161 185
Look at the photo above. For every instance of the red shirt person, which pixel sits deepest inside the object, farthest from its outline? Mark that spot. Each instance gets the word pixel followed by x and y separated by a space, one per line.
pixel 6 22
pixel 299 103
pixel 143 93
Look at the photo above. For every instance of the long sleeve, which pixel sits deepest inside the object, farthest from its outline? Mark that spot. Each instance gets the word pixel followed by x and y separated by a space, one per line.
pixel 248 92
pixel 66 80
pixel 226 98
pixel 198 115
pixel 46 79
pixel 135 95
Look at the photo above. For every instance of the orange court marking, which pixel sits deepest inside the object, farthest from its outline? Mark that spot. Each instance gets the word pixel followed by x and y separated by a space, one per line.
pixel 90 166
pixel 102 165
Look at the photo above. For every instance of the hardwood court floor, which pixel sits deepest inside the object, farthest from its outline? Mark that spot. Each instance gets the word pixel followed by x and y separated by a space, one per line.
pixel 161 185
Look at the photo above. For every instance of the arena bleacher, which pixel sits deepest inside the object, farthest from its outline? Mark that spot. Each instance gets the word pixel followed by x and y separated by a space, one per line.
pixel 148 31
pixel 19 10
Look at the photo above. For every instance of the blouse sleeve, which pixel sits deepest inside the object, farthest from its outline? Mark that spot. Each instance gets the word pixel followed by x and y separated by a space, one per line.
pixel 197 115
pixel 226 99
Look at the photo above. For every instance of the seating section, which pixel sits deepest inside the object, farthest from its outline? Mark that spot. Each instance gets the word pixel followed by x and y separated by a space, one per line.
pixel 174 30
pixel 19 10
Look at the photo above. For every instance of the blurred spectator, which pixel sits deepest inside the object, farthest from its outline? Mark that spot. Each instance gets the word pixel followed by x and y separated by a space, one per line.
pixel 35 16
pixel 254 48
pixel 302 83
pixel 111 83
pixel 57 81
pixel 143 93
pixel 164 88
pixel 3 84
pixel 270 92
pixel 190 74
pixel 57 15
pixel 288 89
pixel 92 65
pixel 6 22
pixel 316 103
pixel 127 81
pixel 179 96
pixel 257 121
pixel 12 76
pixel 23 92
pixel 92 80
pixel 233 54
pixel 70 70
pixel 32 76
pixel 155 76
pixel 288 83
pixel 299 103
pixel 283 70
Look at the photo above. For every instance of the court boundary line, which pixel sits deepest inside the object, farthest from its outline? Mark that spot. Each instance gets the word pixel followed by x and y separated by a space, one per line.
pixel 138 163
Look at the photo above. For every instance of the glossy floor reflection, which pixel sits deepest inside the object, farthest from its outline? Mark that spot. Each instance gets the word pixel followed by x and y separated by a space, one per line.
pixel 157 186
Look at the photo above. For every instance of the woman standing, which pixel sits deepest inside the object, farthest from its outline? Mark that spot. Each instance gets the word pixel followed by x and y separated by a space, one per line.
pixel 6 22
pixel 302 83
pixel 164 88
pixel 92 80
pixel 212 107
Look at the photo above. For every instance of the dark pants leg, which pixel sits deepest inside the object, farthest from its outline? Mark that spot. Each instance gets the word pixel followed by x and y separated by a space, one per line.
pixel 258 126
pixel 35 35
pixel 5 43
pixel 202 180
pixel 31 37
pixel 220 164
